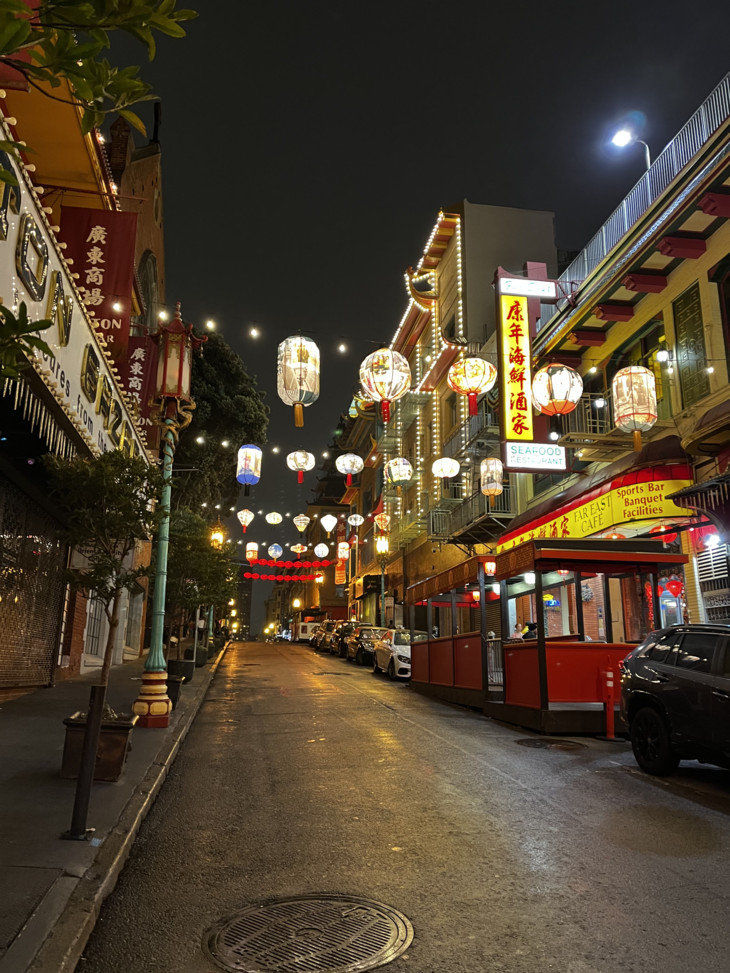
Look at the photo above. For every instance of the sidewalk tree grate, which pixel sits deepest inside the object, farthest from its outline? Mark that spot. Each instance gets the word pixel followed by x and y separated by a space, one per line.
pixel 309 934
pixel 546 743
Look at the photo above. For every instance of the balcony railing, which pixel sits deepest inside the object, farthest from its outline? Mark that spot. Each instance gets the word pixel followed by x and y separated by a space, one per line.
pixel 474 435
pixel 445 523
pixel 711 114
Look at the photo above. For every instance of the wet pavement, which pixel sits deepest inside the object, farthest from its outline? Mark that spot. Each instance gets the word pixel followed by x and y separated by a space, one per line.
pixel 304 775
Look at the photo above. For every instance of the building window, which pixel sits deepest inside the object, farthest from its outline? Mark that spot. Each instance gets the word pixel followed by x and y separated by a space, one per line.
pixel 720 275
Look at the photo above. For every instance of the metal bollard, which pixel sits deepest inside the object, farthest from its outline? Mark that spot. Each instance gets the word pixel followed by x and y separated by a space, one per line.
pixel 609 699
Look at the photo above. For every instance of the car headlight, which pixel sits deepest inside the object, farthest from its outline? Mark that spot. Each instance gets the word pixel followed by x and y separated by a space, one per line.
pixel 404 658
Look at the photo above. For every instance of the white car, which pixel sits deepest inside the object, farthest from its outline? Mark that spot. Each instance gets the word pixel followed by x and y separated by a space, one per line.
pixel 392 652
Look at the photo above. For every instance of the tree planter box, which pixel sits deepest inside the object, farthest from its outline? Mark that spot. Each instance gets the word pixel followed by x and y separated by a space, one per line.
pixel 111 752
pixel 174 685
pixel 181 667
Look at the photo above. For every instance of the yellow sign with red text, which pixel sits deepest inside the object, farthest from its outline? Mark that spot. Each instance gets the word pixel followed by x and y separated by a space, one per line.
pixel 620 505
pixel 516 370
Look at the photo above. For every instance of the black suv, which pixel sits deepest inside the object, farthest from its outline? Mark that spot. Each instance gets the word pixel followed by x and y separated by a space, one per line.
pixel 675 697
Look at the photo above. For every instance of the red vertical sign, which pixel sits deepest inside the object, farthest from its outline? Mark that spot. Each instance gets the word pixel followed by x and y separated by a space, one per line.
pixel 101 243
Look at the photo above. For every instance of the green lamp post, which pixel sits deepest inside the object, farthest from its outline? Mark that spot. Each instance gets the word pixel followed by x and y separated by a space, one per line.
pixel 176 343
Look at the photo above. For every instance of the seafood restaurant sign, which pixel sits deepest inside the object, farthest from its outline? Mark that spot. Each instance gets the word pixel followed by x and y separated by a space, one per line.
pixel 33 270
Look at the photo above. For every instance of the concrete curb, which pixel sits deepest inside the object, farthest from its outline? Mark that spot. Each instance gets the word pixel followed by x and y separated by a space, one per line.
pixel 70 918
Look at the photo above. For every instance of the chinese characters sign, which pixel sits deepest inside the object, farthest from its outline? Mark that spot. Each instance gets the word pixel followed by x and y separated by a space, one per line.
pixel 101 244
pixel 515 371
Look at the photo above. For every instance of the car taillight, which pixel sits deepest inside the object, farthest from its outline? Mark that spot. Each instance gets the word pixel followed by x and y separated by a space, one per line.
pixel 621 666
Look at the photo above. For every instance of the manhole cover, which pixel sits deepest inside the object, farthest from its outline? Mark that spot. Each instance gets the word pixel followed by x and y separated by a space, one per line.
pixel 545 743
pixel 303 934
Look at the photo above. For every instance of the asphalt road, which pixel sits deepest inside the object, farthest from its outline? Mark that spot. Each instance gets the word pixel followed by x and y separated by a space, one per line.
pixel 304 774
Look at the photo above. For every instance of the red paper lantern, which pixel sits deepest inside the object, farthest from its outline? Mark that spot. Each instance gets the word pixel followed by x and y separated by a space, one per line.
pixel 675 588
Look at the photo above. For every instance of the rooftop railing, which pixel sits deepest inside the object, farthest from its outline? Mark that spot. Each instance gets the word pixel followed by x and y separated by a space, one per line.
pixel 711 114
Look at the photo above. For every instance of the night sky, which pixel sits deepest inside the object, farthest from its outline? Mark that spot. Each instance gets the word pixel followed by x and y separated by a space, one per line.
pixel 307 149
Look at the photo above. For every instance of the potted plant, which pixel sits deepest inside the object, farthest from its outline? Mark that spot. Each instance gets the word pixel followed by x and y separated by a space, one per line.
pixel 108 506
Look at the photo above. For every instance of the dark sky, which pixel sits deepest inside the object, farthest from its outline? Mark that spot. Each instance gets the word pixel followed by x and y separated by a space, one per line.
pixel 308 147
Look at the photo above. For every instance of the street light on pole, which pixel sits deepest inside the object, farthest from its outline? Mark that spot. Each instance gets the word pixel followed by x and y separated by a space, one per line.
pixel 176 343
pixel 382 547
pixel 625 137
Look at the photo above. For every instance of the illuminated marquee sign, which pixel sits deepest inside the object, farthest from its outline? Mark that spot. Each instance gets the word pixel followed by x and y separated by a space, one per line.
pixel 621 501
pixel 534 457
pixel 546 290
pixel 515 370
pixel 77 373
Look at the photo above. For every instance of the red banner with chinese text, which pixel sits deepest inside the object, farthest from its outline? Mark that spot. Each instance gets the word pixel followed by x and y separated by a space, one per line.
pixel 138 375
pixel 101 244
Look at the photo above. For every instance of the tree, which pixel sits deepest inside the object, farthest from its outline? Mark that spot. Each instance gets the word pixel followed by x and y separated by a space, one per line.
pixel 108 506
pixel 52 41
pixel 197 573
pixel 229 407
pixel 18 339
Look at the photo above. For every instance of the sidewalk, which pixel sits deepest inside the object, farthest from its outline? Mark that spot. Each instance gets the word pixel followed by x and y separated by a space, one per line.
pixel 50 889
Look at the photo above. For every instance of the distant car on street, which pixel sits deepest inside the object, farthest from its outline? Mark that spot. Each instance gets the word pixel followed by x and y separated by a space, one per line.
pixel 392 652
pixel 360 643
pixel 337 644
pixel 321 638
pixel 675 697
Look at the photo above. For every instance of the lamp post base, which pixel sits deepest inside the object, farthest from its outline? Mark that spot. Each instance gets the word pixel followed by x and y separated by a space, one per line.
pixel 153 705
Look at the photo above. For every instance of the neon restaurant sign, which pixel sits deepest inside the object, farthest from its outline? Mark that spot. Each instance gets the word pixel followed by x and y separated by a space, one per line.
pixel 625 501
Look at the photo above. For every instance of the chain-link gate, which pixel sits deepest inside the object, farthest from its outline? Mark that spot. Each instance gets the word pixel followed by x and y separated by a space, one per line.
pixel 32 560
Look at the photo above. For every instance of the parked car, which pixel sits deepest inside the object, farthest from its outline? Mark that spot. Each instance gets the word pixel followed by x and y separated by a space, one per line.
pixel 337 643
pixel 360 643
pixel 324 634
pixel 392 652
pixel 675 697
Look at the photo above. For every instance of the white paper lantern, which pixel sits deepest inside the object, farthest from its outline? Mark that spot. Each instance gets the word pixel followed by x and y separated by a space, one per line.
pixel 300 522
pixel 355 520
pixel 297 374
pixel 328 522
pixel 349 464
pixel 321 550
pixel 275 551
pixel 634 399
pixel 301 461
pixel 252 551
pixel 556 390
pixel 273 518
pixel 385 376
pixel 445 467
pixel 245 517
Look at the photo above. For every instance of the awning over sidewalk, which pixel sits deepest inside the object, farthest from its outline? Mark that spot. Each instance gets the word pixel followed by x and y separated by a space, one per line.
pixel 456 577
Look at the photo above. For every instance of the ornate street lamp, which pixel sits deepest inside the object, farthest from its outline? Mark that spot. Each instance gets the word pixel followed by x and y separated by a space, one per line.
pixel 174 412
pixel 218 535
pixel 382 548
